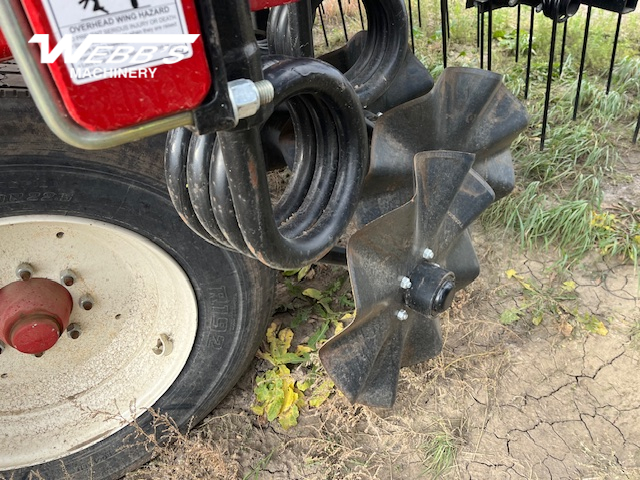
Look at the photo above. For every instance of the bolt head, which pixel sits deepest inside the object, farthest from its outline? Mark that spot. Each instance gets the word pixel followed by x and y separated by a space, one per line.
pixel 405 283
pixel 244 97
pixel 428 254
pixel 402 315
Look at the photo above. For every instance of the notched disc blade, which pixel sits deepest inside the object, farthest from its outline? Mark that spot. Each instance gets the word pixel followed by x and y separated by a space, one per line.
pixel 364 360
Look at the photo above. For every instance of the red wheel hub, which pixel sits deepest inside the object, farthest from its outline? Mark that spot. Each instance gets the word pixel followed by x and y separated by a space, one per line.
pixel 33 314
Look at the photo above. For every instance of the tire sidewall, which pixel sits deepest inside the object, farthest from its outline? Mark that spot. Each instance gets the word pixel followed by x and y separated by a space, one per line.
pixel 232 294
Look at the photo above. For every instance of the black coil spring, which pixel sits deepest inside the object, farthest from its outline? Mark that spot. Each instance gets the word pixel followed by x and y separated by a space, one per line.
pixel 228 206
pixel 384 52
pixel 560 10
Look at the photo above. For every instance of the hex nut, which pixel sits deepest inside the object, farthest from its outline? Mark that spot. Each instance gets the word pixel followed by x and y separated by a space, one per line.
pixel 428 254
pixel 24 271
pixel 68 278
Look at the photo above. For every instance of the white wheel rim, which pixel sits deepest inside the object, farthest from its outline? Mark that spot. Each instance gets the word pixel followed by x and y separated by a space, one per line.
pixel 84 390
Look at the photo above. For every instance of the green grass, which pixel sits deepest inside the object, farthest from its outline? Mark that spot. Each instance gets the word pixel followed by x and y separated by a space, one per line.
pixel 439 453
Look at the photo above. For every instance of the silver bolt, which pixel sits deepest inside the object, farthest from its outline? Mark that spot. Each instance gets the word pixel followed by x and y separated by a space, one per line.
pixel 164 345
pixel 428 254
pixel 68 278
pixel 266 91
pixel 2 346
pixel 86 302
pixel 247 96
pixel 402 315
pixel 73 331
pixel 405 283
pixel 24 271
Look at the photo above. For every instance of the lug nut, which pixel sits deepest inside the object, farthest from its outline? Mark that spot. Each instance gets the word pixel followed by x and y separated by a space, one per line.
pixel 24 271
pixel 428 254
pixel 164 345
pixel 86 302
pixel 405 283
pixel 68 278
pixel 402 315
pixel 73 331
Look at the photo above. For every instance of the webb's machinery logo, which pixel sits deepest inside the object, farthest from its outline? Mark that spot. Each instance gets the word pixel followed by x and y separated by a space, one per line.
pixel 117 55
pixel 102 39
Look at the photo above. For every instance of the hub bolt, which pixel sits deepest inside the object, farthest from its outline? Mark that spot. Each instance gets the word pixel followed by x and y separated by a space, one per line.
pixel 402 315
pixel 405 283
pixel 73 331
pixel 86 302
pixel 24 271
pixel 428 254
pixel 68 278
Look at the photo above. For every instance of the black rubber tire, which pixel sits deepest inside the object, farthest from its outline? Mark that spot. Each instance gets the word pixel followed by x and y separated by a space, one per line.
pixel 121 186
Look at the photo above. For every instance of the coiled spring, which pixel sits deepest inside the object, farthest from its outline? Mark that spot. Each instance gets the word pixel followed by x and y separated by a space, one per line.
pixel 384 52
pixel 218 182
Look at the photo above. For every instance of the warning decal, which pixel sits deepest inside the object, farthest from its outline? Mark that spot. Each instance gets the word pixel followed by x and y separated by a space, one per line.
pixel 122 17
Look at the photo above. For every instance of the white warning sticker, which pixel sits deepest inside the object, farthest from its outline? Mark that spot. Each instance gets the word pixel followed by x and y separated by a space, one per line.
pixel 79 19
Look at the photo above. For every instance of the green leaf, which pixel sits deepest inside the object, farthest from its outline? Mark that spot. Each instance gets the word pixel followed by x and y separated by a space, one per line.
pixel 289 418
pixel 273 408
pixel 321 393
pixel 509 316
pixel 319 335
pixel 537 319
pixel 301 316
pixel 303 272
pixel 313 293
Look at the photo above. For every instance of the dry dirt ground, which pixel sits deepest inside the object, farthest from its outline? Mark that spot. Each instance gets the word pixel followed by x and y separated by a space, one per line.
pixel 558 400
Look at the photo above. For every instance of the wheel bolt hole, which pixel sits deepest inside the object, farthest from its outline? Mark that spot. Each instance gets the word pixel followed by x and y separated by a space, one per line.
pixel 60 234
pixel 38 355
pixel 118 317
pixel 164 346
pixel 4 375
